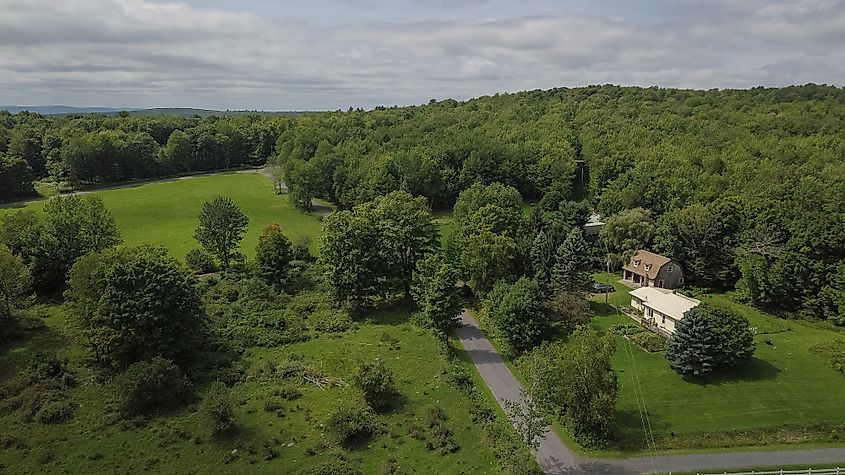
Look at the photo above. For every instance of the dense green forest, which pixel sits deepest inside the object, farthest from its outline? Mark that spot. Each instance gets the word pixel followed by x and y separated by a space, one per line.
pixel 743 187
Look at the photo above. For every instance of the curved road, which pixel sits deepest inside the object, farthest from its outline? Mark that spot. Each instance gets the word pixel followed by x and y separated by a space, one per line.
pixel 556 458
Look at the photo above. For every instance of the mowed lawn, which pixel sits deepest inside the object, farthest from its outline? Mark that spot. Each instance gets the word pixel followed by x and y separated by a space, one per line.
pixel 165 212
pixel 785 384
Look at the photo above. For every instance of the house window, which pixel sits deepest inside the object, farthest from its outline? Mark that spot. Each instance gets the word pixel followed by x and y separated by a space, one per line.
pixel 648 267
pixel 669 268
pixel 680 280
pixel 660 283
pixel 636 262
pixel 663 322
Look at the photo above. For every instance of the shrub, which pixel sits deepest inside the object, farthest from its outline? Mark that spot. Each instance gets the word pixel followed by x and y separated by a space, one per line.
pixel 330 321
pixel 624 329
pixel 650 342
pixel 459 377
pixel 49 367
pixel 352 425
pixel 217 408
pixel 440 438
pixel 152 385
pixel 200 261
pixel 376 382
pixel 709 338
pixel 54 412
pixel 334 467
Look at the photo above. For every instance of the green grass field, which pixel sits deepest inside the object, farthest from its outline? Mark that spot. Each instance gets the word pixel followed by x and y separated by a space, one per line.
pixel 165 212
pixel 784 384
pixel 179 442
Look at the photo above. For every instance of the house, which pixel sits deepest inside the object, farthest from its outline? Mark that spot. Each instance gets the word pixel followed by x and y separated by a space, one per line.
pixel 649 269
pixel 661 308
pixel 594 225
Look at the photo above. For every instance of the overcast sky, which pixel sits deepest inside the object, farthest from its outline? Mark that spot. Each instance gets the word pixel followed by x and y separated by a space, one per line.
pixel 329 54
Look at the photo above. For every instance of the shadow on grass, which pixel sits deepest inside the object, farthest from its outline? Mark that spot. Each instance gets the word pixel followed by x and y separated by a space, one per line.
pixel 25 345
pixel 754 370
pixel 602 309
pixel 631 430
pixel 393 314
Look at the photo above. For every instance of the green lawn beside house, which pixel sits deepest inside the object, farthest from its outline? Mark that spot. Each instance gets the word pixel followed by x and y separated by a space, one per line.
pixel 786 394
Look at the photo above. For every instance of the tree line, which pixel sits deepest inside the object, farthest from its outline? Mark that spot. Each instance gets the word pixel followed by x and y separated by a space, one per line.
pixel 90 150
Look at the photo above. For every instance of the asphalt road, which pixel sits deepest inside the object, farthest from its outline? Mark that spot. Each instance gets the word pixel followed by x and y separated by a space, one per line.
pixel 556 458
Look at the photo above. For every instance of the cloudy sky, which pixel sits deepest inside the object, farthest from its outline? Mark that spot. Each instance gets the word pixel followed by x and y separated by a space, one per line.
pixel 329 54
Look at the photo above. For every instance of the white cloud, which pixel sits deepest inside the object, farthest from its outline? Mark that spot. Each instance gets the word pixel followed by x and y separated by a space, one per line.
pixel 140 53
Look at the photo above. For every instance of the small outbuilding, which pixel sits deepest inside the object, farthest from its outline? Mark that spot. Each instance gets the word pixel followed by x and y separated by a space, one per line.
pixel 649 269
pixel 661 308
pixel 593 225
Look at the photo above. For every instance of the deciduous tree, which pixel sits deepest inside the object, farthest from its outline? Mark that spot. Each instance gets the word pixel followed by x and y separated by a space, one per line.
pixel 273 255
pixel 516 312
pixel 436 294
pixel 134 304
pixel 222 225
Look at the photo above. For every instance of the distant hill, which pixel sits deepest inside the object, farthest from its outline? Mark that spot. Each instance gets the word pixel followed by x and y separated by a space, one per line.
pixel 58 110
pixel 187 111
pixel 173 111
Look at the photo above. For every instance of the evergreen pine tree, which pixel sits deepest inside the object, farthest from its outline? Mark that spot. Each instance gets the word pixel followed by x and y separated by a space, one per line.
pixel 571 269
pixel 542 258
pixel 690 349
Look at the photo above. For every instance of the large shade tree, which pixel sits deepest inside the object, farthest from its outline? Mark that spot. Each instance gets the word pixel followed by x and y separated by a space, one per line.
pixel 73 227
pixel 135 303
pixel 371 252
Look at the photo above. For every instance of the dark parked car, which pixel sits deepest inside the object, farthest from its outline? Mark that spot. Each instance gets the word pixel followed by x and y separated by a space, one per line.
pixel 600 288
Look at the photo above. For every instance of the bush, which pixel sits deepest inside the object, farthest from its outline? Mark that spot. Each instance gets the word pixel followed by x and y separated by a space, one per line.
pixel 459 377
pixel 624 329
pixel 54 412
pixel 200 261
pixel 330 321
pixel 152 385
pixel 440 438
pixel 352 425
pixel 334 467
pixel 650 342
pixel 49 367
pixel 217 408
pixel 376 382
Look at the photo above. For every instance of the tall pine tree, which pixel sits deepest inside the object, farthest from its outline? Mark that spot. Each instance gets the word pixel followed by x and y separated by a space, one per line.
pixel 571 269
pixel 690 349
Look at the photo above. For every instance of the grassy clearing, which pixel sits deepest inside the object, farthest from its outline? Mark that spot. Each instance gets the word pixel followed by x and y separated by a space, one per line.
pixel 165 212
pixel 287 439
pixel 786 395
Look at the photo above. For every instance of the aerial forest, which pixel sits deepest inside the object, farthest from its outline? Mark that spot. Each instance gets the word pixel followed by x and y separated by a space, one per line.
pixel 744 188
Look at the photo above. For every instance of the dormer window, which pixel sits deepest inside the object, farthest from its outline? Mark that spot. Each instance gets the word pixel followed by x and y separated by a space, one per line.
pixel 648 267
pixel 636 262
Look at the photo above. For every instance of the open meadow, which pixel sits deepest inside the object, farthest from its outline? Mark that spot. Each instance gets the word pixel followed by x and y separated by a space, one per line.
pixel 280 422
pixel 165 212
